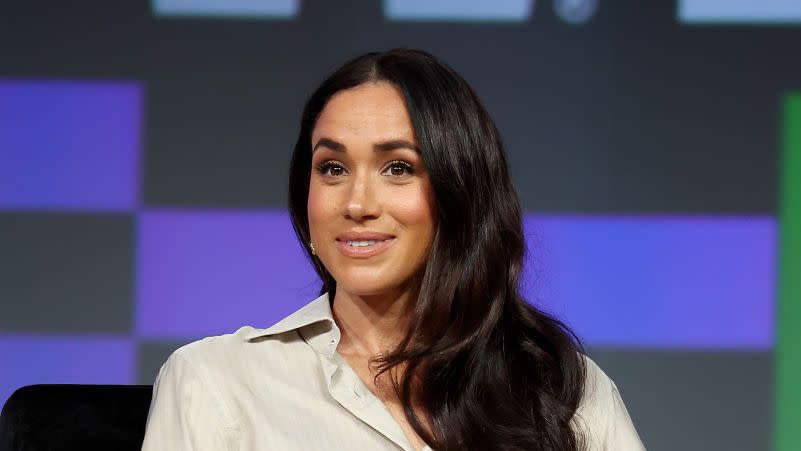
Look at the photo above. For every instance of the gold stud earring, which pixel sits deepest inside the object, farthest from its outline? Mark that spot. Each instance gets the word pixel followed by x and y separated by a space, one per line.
pixel 311 246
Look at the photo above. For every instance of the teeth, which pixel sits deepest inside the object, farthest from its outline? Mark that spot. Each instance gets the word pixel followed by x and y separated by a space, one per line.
pixel 361 243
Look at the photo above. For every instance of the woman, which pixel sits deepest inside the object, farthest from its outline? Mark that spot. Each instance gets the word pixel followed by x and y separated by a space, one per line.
pixel 400 193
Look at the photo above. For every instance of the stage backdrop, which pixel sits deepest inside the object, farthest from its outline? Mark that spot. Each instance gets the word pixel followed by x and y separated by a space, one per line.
pixel 655 147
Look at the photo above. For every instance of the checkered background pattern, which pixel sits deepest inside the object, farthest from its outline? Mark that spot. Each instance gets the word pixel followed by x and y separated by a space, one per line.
pixel 144 149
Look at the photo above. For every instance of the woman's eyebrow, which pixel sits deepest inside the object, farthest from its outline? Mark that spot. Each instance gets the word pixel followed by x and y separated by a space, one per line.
pixel 395 144
pixel 330 143
pixel 385 146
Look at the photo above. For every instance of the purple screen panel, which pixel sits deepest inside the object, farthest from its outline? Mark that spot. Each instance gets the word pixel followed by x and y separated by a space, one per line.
pixel 31 360
pixel 69 144
pixel 209 273
pixel 664 282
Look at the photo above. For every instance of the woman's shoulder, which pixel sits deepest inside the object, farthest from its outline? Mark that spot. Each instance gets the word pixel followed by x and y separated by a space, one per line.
pixel 216 344
pixel 603 415
pixel 281 349
pixel 237 359
pixel 597 381
pixel 228 350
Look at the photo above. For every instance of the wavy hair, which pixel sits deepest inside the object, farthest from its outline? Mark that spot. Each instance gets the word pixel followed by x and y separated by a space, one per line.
pixel 497 372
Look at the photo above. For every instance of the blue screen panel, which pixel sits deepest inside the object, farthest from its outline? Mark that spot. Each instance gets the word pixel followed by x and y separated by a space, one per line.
pixel 658 282
pixel 33 359
pixel 208 273
pixel 69 145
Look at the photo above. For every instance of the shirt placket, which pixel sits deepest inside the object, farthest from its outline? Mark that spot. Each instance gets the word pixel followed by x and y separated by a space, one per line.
pixel 346 387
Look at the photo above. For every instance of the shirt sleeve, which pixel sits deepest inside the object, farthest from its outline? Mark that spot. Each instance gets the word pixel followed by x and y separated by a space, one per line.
pixel 604 416
pixel 184 414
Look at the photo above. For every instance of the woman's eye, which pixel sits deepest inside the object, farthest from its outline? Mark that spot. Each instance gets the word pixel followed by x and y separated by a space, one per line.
pixel 399 169
pixel 331 168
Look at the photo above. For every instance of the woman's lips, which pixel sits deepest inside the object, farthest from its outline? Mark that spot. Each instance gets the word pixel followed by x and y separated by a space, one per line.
pixel 357 249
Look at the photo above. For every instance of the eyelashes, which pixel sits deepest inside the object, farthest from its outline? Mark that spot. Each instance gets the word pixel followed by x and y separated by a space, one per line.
pixel 394 168
pixel 399 164
pixel 324 167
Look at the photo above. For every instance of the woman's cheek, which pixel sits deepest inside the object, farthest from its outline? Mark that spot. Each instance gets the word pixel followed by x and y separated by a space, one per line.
pixel 316 210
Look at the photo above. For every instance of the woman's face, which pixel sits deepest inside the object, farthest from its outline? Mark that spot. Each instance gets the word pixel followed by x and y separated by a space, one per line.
pixel 371 207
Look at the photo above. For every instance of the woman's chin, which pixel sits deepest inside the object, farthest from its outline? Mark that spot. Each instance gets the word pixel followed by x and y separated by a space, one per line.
pixel 373 281
pixel 368 287
pixel 364 290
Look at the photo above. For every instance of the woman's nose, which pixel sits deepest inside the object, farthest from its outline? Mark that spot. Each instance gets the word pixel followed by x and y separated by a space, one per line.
pixel 362 203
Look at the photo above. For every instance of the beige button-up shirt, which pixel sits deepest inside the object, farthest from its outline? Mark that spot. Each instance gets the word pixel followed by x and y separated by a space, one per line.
pixel 286 388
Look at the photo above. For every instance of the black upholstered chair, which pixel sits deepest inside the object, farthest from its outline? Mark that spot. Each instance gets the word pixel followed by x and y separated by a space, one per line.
pixel 66 417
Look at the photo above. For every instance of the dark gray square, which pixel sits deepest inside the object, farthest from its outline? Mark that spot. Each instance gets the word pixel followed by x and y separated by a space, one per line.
pixel 151 355
pixel 66 272
pixel 695 400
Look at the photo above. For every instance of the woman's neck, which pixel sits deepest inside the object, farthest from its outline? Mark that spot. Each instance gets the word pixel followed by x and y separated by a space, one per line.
pixel 371 325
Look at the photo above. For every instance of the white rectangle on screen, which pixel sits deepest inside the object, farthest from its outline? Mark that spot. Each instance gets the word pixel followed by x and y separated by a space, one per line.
pixel 256 9
pixel 459 10
pixel 739 12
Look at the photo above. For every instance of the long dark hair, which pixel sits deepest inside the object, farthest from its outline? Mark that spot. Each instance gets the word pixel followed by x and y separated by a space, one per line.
pixel 497 372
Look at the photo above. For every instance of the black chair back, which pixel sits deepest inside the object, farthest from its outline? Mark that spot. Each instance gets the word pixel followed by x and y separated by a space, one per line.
pixel 66 417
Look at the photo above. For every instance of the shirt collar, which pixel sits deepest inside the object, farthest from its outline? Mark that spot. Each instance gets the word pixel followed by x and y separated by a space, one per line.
pixel 314 322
